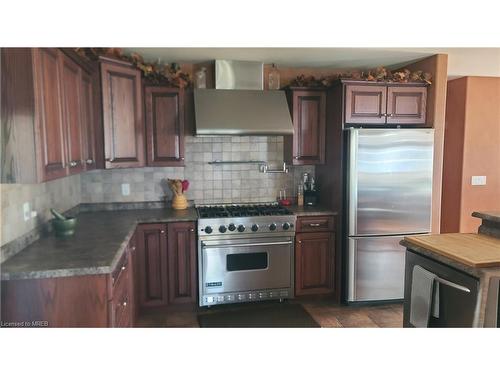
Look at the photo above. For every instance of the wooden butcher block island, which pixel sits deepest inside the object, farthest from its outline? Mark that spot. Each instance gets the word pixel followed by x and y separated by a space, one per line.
pixel 475 250
pixel 466 272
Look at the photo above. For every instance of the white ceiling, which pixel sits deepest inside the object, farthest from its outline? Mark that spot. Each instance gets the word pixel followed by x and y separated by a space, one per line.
pixel 461 61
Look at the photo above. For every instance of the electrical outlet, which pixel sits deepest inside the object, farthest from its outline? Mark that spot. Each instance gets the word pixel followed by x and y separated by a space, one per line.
pixel 26 211
pixel 125 189
pixel 478 180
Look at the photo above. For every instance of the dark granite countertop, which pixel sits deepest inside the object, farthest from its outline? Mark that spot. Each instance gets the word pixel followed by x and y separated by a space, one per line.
pixel 311 210
pixel 488 215
pixel 97 246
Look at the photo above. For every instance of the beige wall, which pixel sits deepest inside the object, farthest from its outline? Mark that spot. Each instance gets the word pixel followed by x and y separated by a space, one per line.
pixel 473 127
pixel 437 65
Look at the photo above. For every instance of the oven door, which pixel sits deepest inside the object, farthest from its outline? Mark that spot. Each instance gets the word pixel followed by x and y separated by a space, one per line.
pixel 246 264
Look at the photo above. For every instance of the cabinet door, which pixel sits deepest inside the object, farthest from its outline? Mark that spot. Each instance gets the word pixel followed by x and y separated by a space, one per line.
pixel 49 128
pixel 365 104
pixel 406 105
pixel 70 83
pixel 87 121
pixel 122 116
pixel 182 262
pixel 164 126
pixel 314 258
pixel 152 265
pixel 133 278
pixel 309 112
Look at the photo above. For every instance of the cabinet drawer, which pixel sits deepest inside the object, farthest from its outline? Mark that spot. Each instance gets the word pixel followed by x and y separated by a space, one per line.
pixel 121 306
pixel 121 294
pixel 120 271
pixel 315 224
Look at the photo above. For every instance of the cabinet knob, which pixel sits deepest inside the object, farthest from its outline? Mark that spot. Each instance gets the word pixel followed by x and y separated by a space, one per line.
pixel 182 158
pixel 133 248
pixel 124 303
pixel 162 231
pixel 123 268
pixel 296 157
pixel 300 241
pixel 89 161
pixel 390 114
pixel 110 159
pixel 73 163
pixel 191 230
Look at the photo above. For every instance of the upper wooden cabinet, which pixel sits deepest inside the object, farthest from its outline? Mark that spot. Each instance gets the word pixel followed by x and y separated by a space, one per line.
pixel 48 115
pixel 365 104
pixel 87 121
pixel 49 129
pixel 72 115
pixel 308 109
pixel 380 103
pixel 122 115
pixel 164 126
pixel 406 105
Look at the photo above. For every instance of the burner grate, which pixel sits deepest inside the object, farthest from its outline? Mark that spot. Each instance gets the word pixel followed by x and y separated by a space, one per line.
pixel 242 210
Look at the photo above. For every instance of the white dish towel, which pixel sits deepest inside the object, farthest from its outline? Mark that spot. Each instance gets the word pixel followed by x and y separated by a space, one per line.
pixel 424 297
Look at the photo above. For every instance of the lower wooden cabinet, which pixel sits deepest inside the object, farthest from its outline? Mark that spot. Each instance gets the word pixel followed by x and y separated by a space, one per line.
pixel 103 300
pixel 166 256
pixel 314 263
pixel 152 264
pixel 181 262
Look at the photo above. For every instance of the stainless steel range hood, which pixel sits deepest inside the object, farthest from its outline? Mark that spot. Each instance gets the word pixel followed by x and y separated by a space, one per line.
pixel 238 105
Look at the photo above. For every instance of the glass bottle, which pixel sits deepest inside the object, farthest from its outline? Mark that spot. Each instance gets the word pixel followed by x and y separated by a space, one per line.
pixel 274 78
pixel 201 78
pixel 300 195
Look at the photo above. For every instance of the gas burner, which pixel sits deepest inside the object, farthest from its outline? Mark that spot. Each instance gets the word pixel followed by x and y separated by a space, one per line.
pixel 243 210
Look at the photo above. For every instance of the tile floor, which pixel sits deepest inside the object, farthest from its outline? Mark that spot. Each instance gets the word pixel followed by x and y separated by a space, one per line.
pixel 326 313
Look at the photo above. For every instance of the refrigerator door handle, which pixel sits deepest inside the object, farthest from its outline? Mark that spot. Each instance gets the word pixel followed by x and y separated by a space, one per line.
pixel 351 293
pixel 353 181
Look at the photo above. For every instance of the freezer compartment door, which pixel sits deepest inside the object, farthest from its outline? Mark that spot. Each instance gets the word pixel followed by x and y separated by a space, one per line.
pixel 390 181
pixel 376 268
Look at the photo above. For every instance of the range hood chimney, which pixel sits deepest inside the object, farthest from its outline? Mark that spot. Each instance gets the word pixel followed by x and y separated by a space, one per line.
pixel 238 105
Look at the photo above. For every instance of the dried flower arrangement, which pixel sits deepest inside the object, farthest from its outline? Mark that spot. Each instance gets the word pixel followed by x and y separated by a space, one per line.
pixel 164 74
pixel 380 74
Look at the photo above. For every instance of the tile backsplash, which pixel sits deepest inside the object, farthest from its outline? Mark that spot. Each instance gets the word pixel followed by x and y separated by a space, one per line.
pixel 208 183
pixel 61 194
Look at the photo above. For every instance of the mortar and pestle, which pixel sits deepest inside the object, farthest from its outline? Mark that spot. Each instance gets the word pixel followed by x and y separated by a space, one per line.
pixel 63 226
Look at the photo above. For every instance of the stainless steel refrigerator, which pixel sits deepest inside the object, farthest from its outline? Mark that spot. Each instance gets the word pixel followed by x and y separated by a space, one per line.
pixel 389 186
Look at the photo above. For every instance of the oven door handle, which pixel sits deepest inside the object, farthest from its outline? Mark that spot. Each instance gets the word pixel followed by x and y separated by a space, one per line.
pixel 246 244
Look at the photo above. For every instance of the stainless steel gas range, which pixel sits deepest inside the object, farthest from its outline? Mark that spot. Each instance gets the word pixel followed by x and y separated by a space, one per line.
pixel 245 253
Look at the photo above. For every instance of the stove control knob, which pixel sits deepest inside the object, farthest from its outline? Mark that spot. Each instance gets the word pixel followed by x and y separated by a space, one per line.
pixel 208 229
pixel 272 226
pixel 255 228
pixel 222 229
pixel 286 226
pixel 241 228
pixel 231 227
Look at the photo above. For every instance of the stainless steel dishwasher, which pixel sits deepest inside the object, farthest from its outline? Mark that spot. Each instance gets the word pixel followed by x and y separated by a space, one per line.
pixel 458 293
